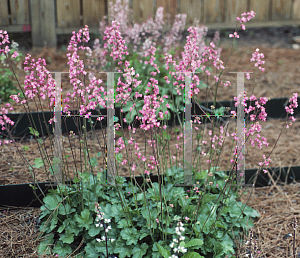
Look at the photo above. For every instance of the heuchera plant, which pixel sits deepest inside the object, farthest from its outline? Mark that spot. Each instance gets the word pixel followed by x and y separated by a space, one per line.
pixel 7 86
pixel 141 40
pixel 92 219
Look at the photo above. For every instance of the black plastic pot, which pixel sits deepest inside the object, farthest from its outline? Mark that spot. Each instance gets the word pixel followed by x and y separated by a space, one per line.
pixel 274 108
pixel 22 195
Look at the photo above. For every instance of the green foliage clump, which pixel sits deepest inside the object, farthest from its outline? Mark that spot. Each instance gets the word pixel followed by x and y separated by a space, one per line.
pixel 143 222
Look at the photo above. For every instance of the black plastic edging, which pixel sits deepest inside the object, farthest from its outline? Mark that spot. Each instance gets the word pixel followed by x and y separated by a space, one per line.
pixel 21 195
pixel 274 108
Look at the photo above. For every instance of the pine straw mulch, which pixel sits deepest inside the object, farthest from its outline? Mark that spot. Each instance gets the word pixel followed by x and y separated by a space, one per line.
pixel 14 169
pixel 277 205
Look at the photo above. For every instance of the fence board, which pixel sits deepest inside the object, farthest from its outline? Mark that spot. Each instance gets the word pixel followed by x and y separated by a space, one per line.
pixel 281 9
pixel 192 9
pixel 93 12
pixel 43 23
pixel 261 8
pixel 68 13
pixel 19 12
pixel 234 9
pixel 296 10
pixel 4 18
pixel 142 10
pixel 170 7
pixel 214 11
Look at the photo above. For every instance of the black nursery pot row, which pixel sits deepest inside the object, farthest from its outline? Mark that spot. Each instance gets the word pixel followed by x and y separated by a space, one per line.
pixel 274 108
pixel 22 195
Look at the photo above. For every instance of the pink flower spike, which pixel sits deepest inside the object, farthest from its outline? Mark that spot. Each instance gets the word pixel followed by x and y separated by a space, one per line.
pixel 15 54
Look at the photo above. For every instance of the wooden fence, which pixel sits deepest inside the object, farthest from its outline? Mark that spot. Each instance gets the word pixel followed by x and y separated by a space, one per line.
pixel 48 18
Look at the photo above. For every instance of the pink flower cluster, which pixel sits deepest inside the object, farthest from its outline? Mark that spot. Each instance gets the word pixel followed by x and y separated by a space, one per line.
pixel 245 19
pixel 191 61
pixel 76 69
pixel 115 42
pixel 256 56
pixel 234 35
pixel 253 117
pixel 266 162
pixel 39 81
pixel 4 39
pixel 290 109
pixel 4 120
pixel 135 33
pixel 175 33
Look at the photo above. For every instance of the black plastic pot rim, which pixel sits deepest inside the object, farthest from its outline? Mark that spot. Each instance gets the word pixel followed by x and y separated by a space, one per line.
pixel 21 195
pixel 274 108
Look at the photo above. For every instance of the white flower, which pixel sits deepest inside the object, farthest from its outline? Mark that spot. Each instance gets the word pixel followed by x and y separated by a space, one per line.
pixel 172 245
pixel 181 238
pixel 108 228
pixel 107 221
pixel 182 249
pixel 112 240
pixel 180 224
pixel 178 231
pixel 175 250
pixel 99 225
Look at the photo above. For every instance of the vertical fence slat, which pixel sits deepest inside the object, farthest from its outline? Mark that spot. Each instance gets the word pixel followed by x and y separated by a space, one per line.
pixel 192 9
pixel 170 7
pixel 142 10
pixel 43 23
pixel 19 12
pixel 296 10
pixel 4 19
pixel 214 11
pixel 93 12
pixel 68 13
pixel 234 9
pixel 261 8
pixel 281 9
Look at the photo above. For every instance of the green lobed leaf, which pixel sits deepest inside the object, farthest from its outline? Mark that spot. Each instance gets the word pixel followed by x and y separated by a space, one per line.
pixel 84 220
pixel 138 252
pixel 165 253
pixel 131 235
pixel 194 242
pixel 44 246
pixel 52 201
pixel 123 251
pixel 38 163
pixel 62 249
pixel 93 161
pixel 67 238
pixel 192 255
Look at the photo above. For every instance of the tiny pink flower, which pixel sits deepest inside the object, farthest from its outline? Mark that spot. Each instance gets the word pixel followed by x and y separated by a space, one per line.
pixel 15 54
